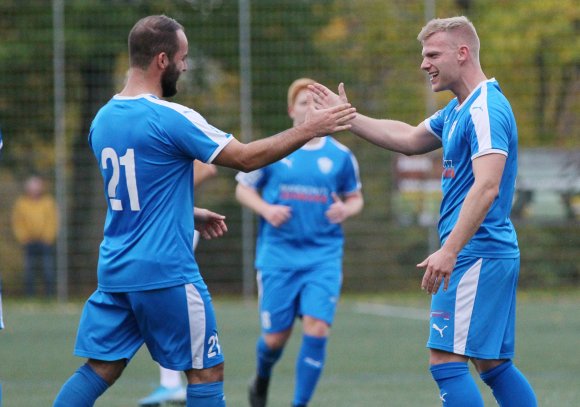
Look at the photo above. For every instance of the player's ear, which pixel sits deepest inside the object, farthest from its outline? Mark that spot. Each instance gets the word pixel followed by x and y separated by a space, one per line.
pixel 462 53
pixel 162 60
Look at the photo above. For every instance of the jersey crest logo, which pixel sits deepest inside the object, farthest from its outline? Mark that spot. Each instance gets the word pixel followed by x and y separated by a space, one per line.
pixel 325 165
pixel 448 169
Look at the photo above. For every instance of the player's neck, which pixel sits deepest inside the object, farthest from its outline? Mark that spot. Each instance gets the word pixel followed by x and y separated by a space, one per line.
pixel 467 84
pixel 139 83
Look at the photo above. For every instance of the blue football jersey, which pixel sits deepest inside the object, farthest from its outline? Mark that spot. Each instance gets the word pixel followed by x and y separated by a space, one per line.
pixel 304 181
pixel 145 148
pixel 483 124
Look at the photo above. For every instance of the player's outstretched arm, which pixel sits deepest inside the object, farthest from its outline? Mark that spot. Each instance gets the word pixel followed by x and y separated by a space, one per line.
pixel 257 154
pixel 392 135
pixel 209 224
pixel 275 215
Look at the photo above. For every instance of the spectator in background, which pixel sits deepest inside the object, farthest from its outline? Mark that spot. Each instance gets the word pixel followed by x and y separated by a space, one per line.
pixel 35 224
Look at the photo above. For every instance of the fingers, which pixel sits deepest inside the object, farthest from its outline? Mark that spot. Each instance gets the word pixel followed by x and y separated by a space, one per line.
pixel 319 89
pixel 343 108
pixel 423 263
pixel 425 280
pixel 342 93
pixel 309 99
pixel 335 197
pixel 343 118
pixel 341 128
pixel 215 228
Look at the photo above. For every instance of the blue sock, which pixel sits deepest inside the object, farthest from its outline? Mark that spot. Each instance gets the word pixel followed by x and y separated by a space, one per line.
pixel 309 365
pixel 266 358
pixel 82 389
pixel 456 386
pixel 206 395
pixel 510 387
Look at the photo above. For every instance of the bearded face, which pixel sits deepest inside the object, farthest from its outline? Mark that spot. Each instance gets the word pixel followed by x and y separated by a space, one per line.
pixel 169 80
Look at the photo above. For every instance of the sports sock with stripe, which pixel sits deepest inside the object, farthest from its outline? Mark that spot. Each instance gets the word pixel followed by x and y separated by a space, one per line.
pixel 309 366
pixel 456 385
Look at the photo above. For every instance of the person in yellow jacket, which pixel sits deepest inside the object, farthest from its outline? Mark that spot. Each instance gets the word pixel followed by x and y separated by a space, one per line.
pixel 35 225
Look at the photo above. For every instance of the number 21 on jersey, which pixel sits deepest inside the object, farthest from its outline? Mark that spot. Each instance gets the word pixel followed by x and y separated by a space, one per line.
pixel 128 162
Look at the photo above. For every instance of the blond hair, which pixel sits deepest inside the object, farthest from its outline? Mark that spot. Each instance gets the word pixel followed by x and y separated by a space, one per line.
pixel 297 86
pixel 463 30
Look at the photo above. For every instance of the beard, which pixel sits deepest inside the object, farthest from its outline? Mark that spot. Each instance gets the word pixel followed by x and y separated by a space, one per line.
pixel 169 81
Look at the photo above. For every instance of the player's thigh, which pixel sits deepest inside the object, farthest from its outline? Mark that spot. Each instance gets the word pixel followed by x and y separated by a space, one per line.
pixel 179 326
pixel 476 315
pixel 279 291
pixel 107 330
pixel 321 293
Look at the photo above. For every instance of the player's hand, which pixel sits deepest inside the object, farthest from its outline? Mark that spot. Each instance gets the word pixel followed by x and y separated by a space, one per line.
pixel 438 268
pixel 277 215
pixel 325 98
pixel 328 120
pixel 209 224
pixel 337 213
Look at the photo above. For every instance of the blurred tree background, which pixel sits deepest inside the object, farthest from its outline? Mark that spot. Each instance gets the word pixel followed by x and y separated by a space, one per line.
pixel 532 47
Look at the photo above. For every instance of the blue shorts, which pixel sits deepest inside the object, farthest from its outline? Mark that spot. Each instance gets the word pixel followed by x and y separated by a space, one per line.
pixel 476 316
pixel 177 324
pixel 286 293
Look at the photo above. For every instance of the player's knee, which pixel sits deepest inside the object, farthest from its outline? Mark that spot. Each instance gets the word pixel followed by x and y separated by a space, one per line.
pixel 484 365
pixel 316 327
pixel 107 370
pixel 437 357
pixel 209 375
pixel 277 340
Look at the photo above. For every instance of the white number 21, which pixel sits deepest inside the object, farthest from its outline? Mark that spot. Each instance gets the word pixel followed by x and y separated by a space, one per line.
pixel 127 161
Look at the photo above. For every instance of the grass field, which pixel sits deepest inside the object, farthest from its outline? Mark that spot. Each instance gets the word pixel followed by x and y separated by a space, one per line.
pixel 376 355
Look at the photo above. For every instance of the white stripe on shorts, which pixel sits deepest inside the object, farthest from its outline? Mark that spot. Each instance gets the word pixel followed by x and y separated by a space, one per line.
pixel 464 300
pixel 196 313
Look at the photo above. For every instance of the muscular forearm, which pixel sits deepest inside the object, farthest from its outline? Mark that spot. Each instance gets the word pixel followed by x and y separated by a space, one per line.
pixel 473 212
pixel 259 153
pixel 394 135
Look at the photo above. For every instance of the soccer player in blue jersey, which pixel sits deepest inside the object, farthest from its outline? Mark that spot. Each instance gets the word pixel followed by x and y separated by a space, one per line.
pixel 473 276
pixel 171 388
pixel 150 289
pixel 302 201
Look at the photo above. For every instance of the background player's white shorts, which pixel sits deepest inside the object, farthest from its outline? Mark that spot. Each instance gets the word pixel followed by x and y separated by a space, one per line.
pixel 475 317
pixel 177 324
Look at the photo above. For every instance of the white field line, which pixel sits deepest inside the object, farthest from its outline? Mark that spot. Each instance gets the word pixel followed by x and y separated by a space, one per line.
pixel 384 310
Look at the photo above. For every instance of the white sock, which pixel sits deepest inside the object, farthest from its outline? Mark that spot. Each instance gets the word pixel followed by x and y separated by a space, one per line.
pixel 169 378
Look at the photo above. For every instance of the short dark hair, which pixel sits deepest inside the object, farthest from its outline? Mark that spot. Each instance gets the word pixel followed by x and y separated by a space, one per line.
pixel 150 36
